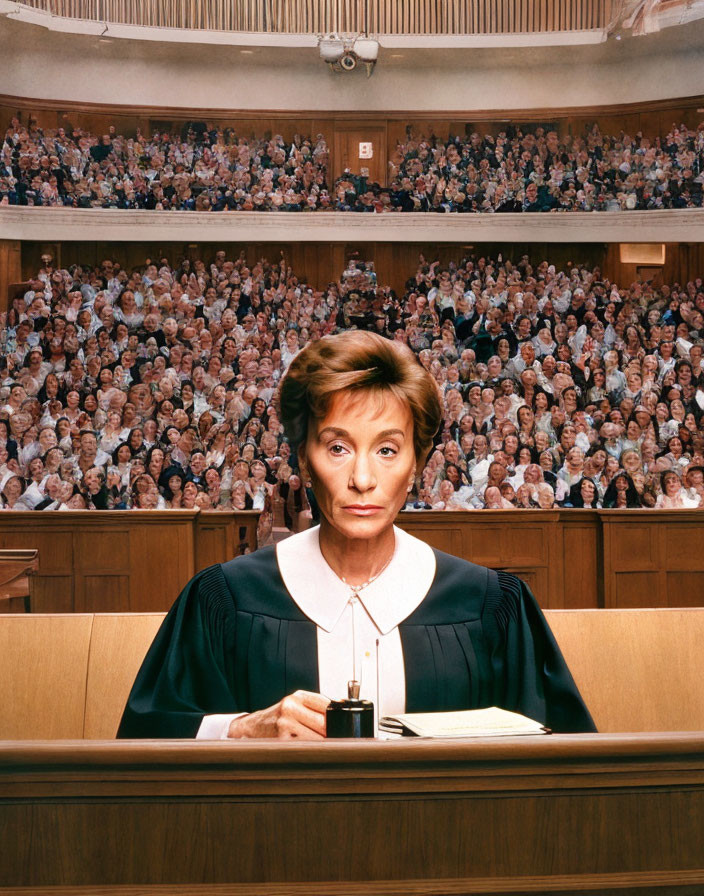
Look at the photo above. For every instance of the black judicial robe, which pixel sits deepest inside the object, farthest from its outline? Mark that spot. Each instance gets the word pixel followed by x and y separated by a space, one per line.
pixel 235 641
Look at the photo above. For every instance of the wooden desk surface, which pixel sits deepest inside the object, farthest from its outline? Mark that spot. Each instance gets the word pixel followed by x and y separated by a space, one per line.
pixel 558 814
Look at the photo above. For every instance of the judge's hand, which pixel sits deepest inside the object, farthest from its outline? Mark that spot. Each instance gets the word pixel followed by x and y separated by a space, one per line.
pixel 301 715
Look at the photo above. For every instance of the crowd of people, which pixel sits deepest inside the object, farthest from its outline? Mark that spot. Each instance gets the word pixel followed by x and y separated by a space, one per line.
pixel 521 169
pixel 155 387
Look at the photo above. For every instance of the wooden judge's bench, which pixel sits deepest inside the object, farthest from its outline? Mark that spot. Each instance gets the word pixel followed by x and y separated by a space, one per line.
pixel 599 814
pixel 612 813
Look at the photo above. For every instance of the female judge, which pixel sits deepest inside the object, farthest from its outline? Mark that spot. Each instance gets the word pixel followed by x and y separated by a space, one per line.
pixel 251 646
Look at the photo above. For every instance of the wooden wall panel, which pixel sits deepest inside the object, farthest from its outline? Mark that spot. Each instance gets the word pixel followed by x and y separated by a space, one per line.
pixel 684 589
pixel 108 561
pixel 53 583
pixel 617 658
pixel 323 263
pixel 634 589
pixel 653 561
pixel 581 561
pixel 346 140
pixel 447 538
pixel 524 544
pixel 212 542
pixel 683 262
pixel 653 117
pixel 52 593
pixel 220 535
pixel 571 559
pixel 51 673
pixel 10 268
pixel 166 548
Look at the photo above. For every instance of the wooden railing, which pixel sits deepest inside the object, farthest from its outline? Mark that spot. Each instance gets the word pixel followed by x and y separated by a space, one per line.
pixel 122 561
pixel 345 16
pixel 137 561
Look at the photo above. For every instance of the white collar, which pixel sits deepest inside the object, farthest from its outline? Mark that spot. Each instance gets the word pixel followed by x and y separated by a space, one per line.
pixel 323 597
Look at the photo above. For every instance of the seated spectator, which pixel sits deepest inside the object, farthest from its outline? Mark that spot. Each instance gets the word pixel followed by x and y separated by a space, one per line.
pixel 523 169
pixel 673 495
pixel 620 492
pixel 189 420
pixel 584 494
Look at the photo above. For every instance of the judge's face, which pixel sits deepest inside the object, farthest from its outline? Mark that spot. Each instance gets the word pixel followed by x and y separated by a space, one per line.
pixel 361 461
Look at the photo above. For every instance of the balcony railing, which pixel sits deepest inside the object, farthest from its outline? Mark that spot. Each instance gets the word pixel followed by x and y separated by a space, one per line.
pixel 345 16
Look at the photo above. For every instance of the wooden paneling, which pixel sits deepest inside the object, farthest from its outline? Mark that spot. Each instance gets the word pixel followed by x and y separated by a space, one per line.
pixel 583 558
pixel 654 562
pixel 118 645
pixel 10 268
pixel 347 138
pixel 674 109
pixel 138 561
pixel 164 550
pixel 580 548
pixel 43 663
pixel 220 535
pixel 582 813
pixel 617 658
pixel 322 263
pixel 683 262
pixel 53 593
pixel 109 561
pixel 527 544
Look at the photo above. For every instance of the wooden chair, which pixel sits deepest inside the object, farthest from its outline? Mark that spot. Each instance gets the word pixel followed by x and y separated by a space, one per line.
pixel 638 670
pixel 16 570
pixel 118 645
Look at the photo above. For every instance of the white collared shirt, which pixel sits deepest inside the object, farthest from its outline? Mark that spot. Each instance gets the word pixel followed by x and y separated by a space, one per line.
pixel 349 631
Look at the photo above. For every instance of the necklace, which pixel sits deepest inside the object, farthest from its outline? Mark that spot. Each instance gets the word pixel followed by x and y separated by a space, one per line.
pixel 355 589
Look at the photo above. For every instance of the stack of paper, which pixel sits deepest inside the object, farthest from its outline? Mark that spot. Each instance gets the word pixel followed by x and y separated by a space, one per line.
pixel 491 722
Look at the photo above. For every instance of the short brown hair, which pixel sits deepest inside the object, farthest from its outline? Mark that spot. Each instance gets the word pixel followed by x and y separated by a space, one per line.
pixel 358 360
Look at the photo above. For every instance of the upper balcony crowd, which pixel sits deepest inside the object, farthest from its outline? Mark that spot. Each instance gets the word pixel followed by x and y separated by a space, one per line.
pixel 155 387
pixel 522 169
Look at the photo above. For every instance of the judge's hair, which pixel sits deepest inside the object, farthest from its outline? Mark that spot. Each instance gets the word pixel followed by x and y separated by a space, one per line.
pixel 357 361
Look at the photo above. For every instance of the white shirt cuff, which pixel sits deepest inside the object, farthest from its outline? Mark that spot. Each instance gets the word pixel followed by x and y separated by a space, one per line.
pixel 215 727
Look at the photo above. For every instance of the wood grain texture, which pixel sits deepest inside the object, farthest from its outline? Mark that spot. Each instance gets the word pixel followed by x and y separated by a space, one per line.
pixel 617 658
pixel 43 665
pixel 672 883
pixel 118 645
pixel 16 571
pixel 106 561
pixel 636 669
pixel 10 269
pixel 656 113
pixel 221 535
pixel 653 562
pixel 574 812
